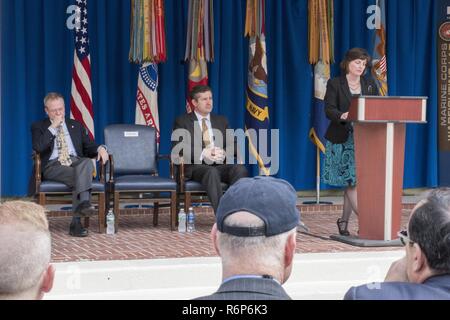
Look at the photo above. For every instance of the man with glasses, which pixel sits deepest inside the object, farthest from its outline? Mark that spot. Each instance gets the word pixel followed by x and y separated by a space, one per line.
pixel 66 148
pixel 424 272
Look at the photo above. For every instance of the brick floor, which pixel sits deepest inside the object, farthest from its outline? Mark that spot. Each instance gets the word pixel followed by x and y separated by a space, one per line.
pixel 139 239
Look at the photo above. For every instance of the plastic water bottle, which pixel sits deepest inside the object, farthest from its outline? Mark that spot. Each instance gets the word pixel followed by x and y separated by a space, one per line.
pixel 191 220
pixel 110 221
pixel 181 221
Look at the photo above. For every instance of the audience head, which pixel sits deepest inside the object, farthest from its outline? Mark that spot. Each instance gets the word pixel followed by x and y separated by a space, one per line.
pixel 428 237
pixel 255 230
pixel 25 251
pixel 352 55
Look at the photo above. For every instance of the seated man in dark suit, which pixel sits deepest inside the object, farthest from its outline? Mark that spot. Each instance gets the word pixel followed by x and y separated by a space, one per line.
pixel 424 272
pixel 205 146
pixel 255 236
pixel 66 149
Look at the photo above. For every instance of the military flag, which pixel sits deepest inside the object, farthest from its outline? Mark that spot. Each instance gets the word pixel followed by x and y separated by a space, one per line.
pixel 147 48
pixel 379 60
pixel 199 44
pixel 257 106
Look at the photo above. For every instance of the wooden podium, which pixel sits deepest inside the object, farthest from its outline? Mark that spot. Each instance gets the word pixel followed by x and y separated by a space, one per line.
pixel 379 134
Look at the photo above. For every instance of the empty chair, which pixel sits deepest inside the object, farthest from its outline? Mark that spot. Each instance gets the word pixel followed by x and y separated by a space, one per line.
pixel 134 169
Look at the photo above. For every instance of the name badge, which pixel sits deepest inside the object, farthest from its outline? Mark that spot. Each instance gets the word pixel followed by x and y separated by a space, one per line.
pixel 131 134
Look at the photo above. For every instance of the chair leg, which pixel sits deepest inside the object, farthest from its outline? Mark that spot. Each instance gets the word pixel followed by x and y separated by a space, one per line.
pixel 42 199
pixel 101 212
pixel 86 222
pixel 155 213
pixel 187 201
pixel 116 210
pixel 173 210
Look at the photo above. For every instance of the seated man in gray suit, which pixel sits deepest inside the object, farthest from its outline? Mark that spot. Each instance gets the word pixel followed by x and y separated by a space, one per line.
pixel 254 234
pixel 66 149
pixel 424 272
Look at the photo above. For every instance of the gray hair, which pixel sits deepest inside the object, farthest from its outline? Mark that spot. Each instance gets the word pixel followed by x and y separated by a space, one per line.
pixel 25 249
pixel 261 252
pixel 52 96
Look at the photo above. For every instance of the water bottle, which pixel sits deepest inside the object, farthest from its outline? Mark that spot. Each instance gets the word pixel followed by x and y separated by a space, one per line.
pixel 181 221
pixel 110 220
pixel 191 220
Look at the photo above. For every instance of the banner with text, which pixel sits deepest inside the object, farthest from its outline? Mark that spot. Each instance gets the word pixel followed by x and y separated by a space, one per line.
pixel 443 72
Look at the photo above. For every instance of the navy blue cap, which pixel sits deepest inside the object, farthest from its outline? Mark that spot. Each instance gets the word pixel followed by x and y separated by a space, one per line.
pixel 272 200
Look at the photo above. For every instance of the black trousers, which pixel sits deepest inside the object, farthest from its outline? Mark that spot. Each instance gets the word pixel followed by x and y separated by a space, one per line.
pixel 211 176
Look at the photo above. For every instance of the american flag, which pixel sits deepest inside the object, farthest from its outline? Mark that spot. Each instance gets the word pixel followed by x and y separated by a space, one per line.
pixel 383 64
pixel 81 100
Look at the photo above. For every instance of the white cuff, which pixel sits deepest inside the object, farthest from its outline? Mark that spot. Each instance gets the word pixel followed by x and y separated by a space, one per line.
pixel 52 130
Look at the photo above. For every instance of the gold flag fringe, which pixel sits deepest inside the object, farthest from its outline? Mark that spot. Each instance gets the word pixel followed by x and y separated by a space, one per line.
pixel 320 35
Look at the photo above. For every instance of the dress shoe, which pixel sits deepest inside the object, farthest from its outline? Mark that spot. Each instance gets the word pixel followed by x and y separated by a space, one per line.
pixel 85 209
pixel 342 227
pixel 77 230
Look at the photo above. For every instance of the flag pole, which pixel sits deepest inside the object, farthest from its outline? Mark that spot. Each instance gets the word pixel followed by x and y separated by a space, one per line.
pixel 321 47
pixel 317 182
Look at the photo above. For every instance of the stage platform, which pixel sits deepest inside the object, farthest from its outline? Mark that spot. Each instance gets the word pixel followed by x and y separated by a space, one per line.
pixel 139 239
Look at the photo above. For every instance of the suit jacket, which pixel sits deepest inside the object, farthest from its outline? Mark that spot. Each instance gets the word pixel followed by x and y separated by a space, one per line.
pixel 249 289
pixel 43 139
pixel 337 101
pixel 191 141
pixel 434 288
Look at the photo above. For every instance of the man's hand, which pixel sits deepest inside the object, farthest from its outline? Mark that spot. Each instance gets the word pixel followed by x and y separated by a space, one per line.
pixel 208 154
pixel 214 154
pixel 56 121
pixel 344 116
pixel 219 155
pixel 397 271
pixel 102 154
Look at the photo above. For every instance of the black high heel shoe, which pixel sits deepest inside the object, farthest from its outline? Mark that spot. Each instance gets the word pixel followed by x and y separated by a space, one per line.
pixel 342 227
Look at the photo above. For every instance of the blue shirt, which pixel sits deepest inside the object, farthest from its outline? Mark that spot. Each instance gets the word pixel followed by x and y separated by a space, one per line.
pixel 69 142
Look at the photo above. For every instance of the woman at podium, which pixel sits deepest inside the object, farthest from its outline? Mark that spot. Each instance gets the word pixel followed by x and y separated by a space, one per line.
pixel 339 167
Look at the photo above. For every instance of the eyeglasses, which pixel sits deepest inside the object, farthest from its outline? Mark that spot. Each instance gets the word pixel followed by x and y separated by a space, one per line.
pixel 404 239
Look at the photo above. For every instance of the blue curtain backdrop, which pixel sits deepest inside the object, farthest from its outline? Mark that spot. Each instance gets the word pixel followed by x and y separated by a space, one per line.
pixel 37 53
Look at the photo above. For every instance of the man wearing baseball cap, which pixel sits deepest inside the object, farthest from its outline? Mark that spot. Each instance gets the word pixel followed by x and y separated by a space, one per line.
pixel 254 234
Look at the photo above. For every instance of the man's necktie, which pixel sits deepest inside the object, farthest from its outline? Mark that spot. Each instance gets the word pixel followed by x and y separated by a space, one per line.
pixel 63 149
pixel 205 134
